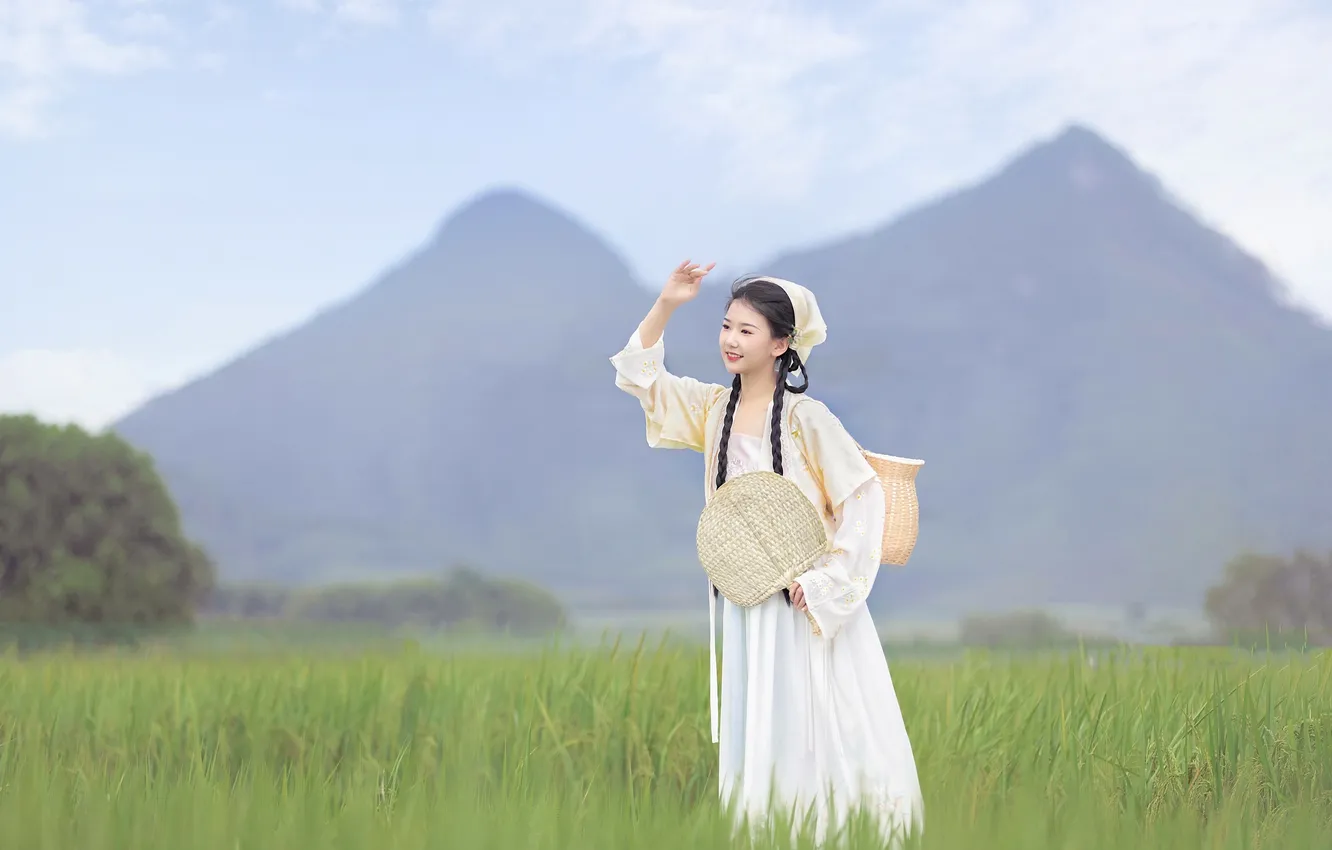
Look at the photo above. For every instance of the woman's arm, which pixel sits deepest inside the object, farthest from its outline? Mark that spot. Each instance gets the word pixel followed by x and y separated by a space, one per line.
pixel 652 327
pixel 838 585
pixel 682 286
pixel 675 407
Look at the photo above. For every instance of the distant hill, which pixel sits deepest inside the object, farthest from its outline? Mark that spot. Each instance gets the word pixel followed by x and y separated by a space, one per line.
pixel 457 410
pixel 1111 399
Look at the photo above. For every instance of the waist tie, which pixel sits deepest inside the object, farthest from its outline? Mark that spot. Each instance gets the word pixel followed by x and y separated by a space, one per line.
pixel 809 692
pixel 712 663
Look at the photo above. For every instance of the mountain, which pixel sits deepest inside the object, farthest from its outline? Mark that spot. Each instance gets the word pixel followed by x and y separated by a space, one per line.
pixel 1111 398
pixel 455 410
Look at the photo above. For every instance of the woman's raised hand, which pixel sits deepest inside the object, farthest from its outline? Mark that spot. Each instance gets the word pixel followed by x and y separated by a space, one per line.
pixel 684 282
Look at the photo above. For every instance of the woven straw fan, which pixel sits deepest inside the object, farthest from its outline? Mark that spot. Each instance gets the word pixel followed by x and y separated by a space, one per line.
pixel 756 535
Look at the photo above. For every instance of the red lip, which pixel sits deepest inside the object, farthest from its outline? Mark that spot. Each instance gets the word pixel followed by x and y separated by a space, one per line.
pixel 733 357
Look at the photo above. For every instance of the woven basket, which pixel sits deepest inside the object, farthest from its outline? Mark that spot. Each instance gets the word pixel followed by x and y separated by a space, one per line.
pixel 901 522
pixel 757 533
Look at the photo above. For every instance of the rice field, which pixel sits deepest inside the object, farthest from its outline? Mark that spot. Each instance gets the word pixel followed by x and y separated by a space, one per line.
pixel 608 748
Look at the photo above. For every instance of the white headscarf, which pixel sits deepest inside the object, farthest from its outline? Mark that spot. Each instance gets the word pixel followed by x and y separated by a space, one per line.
pixel 810 329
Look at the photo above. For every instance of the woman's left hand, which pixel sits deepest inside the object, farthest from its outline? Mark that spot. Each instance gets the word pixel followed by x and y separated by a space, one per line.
pixel 797 596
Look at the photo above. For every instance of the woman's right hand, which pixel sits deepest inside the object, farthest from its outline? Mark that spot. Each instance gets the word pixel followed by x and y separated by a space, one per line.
pixel 683 284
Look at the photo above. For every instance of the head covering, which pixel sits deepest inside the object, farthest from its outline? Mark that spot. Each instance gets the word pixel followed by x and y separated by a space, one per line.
pixel 810 329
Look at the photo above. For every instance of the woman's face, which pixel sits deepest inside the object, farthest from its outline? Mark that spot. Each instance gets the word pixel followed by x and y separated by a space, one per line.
pixel 746 340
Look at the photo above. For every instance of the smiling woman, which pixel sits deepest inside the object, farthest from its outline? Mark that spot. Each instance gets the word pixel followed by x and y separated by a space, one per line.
pixel 808 717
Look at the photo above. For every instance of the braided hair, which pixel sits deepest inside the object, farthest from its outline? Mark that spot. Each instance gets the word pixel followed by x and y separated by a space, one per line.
pixel 770 301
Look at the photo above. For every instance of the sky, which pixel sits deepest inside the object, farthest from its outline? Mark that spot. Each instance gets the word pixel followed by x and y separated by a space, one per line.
pixel 181 180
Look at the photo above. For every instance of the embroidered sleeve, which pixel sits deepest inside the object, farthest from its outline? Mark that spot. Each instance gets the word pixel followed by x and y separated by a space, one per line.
pixel 839 584
pixel 676 407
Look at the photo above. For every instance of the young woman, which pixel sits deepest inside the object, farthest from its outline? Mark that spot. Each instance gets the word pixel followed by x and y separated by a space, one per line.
pixel 809 719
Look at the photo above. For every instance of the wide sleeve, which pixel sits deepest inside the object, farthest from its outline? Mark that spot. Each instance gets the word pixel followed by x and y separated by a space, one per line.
pixel 676 407
pixel 839 584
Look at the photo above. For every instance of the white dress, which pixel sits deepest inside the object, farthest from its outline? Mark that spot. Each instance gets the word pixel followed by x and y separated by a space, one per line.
pixel 805 722
pixel 812 721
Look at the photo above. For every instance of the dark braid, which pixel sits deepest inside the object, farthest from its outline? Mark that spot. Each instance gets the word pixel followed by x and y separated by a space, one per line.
pixel 726 431
pixel 778 396
pixel 725 442
pixel 786 364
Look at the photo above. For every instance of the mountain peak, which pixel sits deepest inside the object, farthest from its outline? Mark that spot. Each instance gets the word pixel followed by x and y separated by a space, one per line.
pixel 509 222
pixel 1080 156
pixel 1081 138
pixel 506 207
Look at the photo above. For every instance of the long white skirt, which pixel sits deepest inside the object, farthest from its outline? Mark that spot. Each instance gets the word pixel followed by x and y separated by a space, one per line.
pixel 811 725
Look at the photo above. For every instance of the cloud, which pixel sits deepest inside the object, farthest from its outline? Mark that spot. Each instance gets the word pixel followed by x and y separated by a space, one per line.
pixel 755 75
pixel 222 15
pixel 1227 100
pixel 375 13
pixel 142 23
pixel 44 44
pixel 209 60
pixel 367 12
pixel 20 110
pixel 85 387
pixel 309 7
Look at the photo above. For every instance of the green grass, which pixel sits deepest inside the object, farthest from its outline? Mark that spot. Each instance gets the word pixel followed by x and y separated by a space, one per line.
pixel 609 749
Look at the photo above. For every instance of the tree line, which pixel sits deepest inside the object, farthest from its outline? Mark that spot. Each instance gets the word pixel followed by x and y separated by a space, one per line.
pixel 1259 601
pixel 1273 600
pixel 91 542
pixel 91 538
pixel 462 601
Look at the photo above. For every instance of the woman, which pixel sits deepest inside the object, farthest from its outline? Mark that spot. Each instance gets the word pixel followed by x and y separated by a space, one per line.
pixel 808 719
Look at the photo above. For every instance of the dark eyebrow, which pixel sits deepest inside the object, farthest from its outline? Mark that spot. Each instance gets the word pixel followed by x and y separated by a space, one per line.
pixel 742 324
